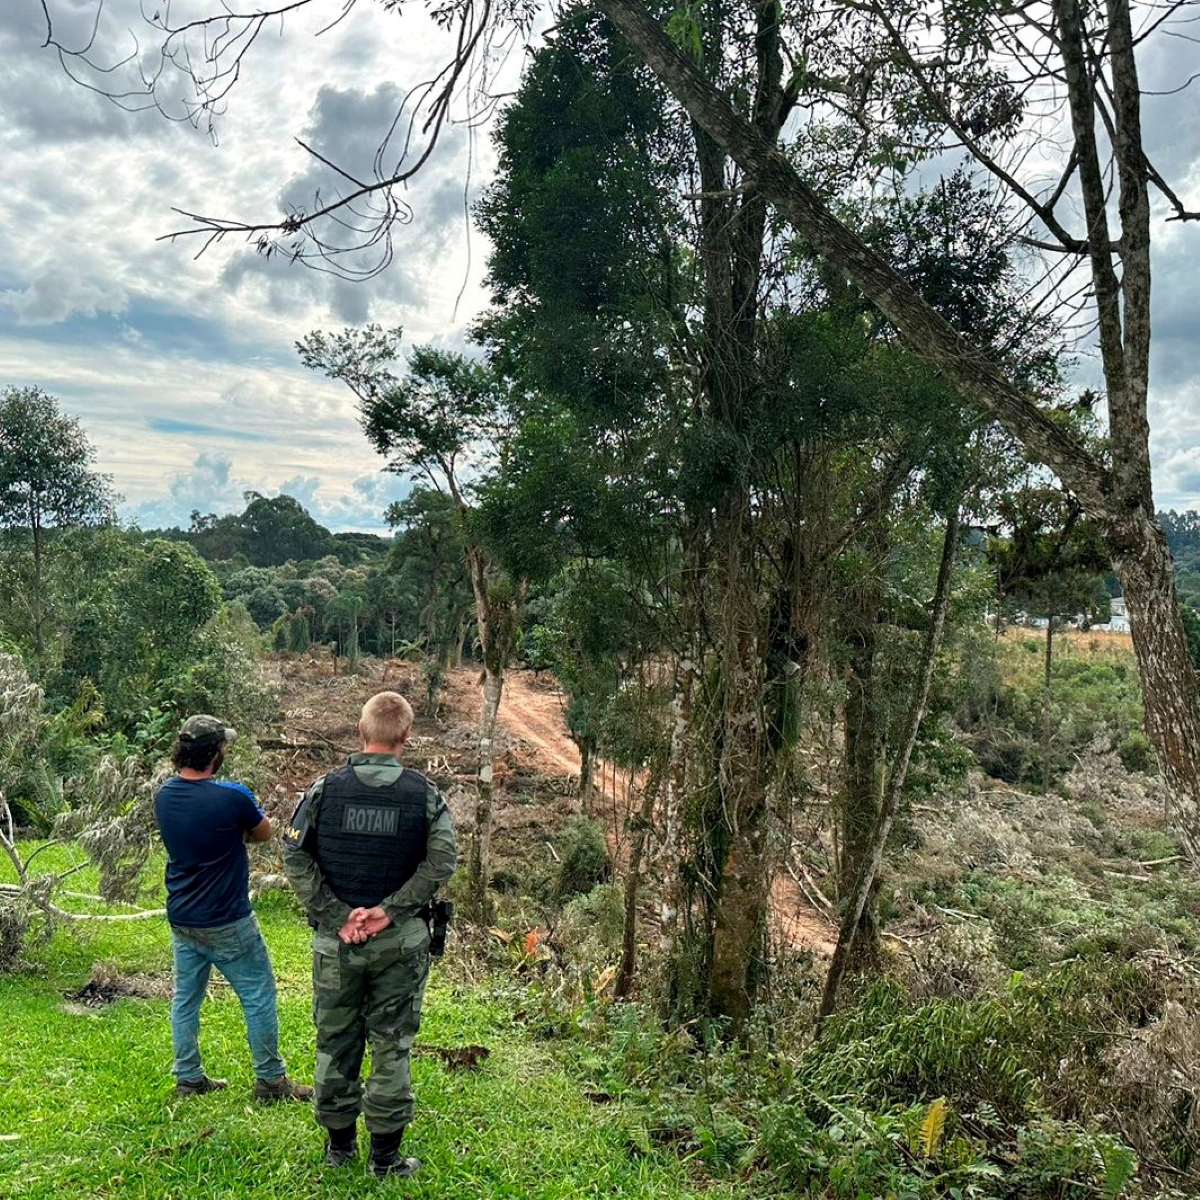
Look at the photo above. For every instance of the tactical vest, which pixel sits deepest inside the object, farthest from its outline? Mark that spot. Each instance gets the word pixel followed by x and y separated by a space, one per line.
pixel 370 840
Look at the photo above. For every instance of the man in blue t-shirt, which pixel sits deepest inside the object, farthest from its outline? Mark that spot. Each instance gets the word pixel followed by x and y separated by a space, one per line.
pixel 205 824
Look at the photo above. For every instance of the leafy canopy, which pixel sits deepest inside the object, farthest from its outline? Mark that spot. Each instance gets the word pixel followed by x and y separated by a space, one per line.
pixel 46 475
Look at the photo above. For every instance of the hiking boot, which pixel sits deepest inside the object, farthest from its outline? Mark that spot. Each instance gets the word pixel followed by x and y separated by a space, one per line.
pixel 395 1165
pixel 340 1152
pixel 386 1158
pixel 271 1091
pixel 200 1086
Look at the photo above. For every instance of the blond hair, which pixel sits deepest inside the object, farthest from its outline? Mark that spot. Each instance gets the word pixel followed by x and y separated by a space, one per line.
pixel 386 719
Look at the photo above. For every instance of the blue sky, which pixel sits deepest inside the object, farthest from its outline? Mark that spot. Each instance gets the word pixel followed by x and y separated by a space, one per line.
pixel 183 369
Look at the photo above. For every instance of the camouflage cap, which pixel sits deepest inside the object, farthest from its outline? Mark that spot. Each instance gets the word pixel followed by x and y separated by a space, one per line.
pixel 205 728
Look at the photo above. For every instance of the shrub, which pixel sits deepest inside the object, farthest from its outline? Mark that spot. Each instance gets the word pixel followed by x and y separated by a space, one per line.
pixel 584 861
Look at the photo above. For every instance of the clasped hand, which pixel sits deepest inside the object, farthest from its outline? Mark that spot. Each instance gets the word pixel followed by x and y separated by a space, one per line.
pixel 363 924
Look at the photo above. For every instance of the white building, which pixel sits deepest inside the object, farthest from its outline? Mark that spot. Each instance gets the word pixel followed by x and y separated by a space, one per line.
pixel 1120 618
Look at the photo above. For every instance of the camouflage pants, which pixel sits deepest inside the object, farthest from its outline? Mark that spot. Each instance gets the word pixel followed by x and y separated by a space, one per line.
pixel 369 993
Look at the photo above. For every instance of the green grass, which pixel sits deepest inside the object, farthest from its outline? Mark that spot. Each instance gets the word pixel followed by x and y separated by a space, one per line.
pixel 91 1102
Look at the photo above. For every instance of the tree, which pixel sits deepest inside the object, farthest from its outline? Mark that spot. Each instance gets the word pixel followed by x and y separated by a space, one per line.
pixel 269 531
pixel 1052 564
pixel 1095 55
pixel 428 564
pixel 46 479
pixel 443 419
pixel 134 622
pixel 279 528
pixel 761 418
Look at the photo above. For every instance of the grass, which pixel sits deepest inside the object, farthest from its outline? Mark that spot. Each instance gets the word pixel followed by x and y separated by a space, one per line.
pixel 90 1100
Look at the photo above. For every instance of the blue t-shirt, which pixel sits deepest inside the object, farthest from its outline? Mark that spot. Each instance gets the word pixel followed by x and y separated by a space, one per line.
pixel 203 823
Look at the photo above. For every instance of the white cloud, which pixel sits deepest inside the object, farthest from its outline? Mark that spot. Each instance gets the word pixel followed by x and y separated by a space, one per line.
pixel 213 483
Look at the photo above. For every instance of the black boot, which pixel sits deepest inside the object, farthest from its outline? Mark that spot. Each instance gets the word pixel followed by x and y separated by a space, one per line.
pixel 341 1148
pixel 386 1158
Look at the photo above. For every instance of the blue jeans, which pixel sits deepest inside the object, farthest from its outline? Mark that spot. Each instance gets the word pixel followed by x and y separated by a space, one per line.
pixel 238 951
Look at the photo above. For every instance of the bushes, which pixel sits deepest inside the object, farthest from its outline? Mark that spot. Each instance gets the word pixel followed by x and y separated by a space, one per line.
pixel 997 1098
pixel 1000 698
pixel 885 1051
pixel 584 861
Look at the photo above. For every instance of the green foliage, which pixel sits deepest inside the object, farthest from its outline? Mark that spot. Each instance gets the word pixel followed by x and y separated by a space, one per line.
pixel 426 588
pixel 885 1051
pixel 1182 531
pixel 583 859
pixel 271 531
pixel 1191 627
pixel 423 421
pixel 298 636
pixel 999 698
pixel 137 616
pixel 46 476
pixel 589 930
pixel 1052 561
pixel 22 728
pixel 40 749
pixel 222 677
pixel 46 480
pixel 581 227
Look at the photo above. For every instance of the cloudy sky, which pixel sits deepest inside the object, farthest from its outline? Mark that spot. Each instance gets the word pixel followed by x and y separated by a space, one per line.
pixel 183 370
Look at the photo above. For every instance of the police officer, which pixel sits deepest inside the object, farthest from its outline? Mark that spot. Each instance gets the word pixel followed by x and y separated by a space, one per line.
pixel 367 848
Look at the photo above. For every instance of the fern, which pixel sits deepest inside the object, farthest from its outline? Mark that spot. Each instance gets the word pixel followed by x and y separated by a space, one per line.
pixel 1120 1165
pixel 932 1127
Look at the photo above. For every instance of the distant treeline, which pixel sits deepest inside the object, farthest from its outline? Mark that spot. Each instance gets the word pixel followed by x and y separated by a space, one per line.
pixel 1183 537
pixel 271 531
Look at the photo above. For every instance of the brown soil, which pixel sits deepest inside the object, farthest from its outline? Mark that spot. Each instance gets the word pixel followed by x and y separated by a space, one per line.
pixel 536 771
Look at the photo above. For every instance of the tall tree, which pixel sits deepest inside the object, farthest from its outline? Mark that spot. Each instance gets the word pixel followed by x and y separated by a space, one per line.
pixel 1095 59
pixel 443 419
pixel 46 479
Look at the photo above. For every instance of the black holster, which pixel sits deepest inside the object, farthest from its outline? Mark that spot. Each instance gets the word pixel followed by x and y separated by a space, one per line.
pixel 438 913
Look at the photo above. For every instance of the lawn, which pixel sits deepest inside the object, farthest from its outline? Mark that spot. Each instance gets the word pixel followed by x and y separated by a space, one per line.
pixel 87 1106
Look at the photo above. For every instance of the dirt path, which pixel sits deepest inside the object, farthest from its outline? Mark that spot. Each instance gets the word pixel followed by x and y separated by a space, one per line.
pixel 321 712
pixel 533 711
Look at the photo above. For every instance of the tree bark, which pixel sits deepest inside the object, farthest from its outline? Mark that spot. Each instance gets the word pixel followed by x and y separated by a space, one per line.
pixel 853 911
pixel 587 771
pixel 479 863
pixel 743 889
pixel 861 792
pixel 627 971
pixel 35 529
pixel 493 622
pixel 1169 686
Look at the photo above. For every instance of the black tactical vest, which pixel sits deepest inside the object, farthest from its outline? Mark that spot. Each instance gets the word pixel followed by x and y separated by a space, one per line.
pixel 370 840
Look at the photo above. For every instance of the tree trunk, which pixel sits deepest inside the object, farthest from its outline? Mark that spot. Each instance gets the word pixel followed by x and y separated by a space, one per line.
pixel 861 793
pixel 675 791
pixel 479 864
pixel 852 914
pixel 1046 731
pixel 627 971
pixel 493 644
pixel 587 764
pixel 1169 686
pixel 743 889
pixel 35 529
